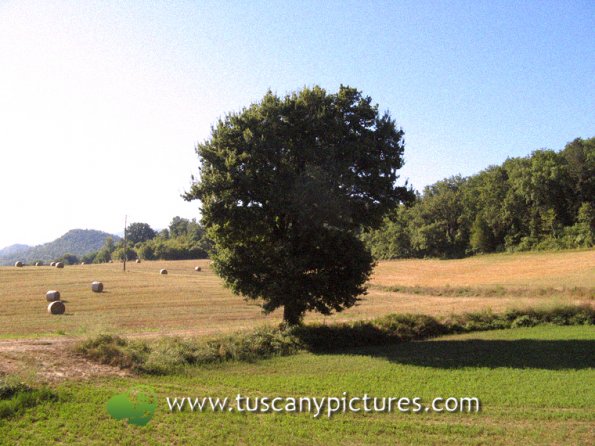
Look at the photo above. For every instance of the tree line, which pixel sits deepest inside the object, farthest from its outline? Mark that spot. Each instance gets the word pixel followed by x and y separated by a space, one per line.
pixel 182 239
pixel 543 201
pixel 540 202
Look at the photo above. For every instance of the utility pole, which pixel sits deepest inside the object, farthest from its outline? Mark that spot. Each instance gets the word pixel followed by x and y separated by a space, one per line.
pixel 125 241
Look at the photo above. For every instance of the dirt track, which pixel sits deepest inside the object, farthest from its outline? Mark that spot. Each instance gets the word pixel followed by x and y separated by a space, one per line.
pixel 49 360
pixel 53 359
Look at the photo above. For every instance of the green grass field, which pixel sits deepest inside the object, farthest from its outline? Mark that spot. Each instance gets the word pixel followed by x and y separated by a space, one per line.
pixel 535 386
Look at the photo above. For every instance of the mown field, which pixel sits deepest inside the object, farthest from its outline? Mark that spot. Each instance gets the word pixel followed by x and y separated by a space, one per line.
pixel 188 302
pixel 535 386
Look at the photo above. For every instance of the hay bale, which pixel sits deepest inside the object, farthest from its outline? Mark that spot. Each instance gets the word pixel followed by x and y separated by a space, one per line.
pixel 59 265
pixel 18 264
pixel 137 260
pixel 97 287
pixel 56 307
pixel 82 263
pixel 52 295
pixel 197 268
pixel 110 261
pixel 38 263
pixel 163 271
pixel 53 264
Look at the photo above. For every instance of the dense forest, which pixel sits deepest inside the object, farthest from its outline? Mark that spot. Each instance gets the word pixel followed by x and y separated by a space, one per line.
pixel 542 201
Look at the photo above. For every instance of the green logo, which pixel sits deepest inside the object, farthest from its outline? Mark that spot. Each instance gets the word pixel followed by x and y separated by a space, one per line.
pixel 137 405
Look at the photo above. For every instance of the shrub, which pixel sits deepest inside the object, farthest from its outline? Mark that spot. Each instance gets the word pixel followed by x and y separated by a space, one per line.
pixel 15 397
pixel 69 259
pixel 332 337
pixel 114 350
pixel 9 389
pixel 168 355
pixel 410 326
pixel 89 258
pixel 524 321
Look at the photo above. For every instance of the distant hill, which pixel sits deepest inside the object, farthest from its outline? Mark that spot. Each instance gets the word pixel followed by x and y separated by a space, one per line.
pixel 76 241
pixel 13 249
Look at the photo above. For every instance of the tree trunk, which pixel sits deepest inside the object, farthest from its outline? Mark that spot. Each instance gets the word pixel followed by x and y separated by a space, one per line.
pixel 292 315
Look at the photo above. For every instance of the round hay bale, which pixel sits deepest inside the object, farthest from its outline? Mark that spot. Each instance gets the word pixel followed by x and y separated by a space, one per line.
pixel 137 260
pixel 82 263
pixel 197 268
pixel 163 271
pixel 111 261
pixel 52 295
pixel 56 307
pixel 53 264
pixel 59 265
pixel 38 263
pixel 18 264
pixel 97 287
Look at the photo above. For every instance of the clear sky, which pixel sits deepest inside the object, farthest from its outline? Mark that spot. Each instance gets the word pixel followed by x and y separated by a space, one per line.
pixel 102 103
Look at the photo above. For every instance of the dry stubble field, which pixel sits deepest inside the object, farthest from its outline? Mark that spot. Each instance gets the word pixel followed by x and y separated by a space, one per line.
pixel 141 301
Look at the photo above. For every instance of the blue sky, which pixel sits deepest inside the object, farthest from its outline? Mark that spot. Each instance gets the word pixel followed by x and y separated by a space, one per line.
pixel 102 103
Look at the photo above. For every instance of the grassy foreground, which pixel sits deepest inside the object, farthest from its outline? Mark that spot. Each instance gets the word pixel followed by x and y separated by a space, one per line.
pixel 535 386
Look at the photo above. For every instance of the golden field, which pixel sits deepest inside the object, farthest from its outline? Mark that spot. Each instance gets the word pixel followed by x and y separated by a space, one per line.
pixel 141 301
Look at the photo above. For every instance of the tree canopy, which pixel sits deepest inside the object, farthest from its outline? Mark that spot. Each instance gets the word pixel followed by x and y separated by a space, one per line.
pixel 139 232
pixel 542 201
pixel 287 184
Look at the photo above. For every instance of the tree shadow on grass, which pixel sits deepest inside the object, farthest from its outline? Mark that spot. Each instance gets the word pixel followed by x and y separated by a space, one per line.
pixel 522 353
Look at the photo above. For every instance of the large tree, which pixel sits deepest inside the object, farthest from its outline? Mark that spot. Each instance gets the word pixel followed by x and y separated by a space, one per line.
pixel 139 232
pixel 286 185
